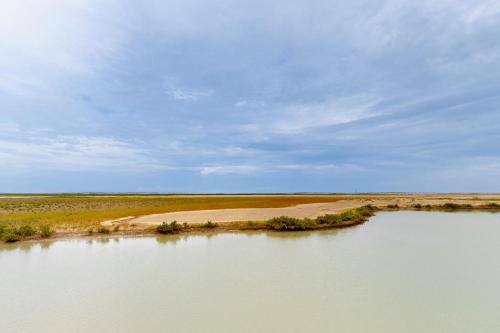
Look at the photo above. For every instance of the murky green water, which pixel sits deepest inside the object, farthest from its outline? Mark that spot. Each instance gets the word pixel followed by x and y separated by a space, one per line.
pixel 401 272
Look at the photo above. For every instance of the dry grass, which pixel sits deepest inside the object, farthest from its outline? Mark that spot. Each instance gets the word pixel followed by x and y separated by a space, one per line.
pixel 86 211
pixel 77 212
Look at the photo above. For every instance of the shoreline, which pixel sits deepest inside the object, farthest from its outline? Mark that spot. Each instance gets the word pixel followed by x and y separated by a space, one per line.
pixel 150 233
pixel 221 227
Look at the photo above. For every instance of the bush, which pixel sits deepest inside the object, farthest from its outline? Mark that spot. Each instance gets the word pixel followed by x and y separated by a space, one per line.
pixel 489 205
pixel 352 215
pixel 366 211
pixel 285 223
pixel 116 228
pixel 2 229
pixel 454 206
pixel 450 205
pixel 10 236
pixel 46 231
pixel 210 224
pixel 25 230
pixel 103 230
pixel 417 206
pixel 328 219
pixel 166 228
pixel 395 206
pixel 90 231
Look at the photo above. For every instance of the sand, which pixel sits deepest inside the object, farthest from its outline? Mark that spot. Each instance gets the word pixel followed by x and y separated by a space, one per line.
pixel 260 214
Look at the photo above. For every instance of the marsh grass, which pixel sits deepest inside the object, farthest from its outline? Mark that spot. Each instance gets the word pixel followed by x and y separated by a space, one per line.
pixel 169 228
pixel 209 224
pixel 45 231
pixel 65 211
pixel 103 230
pixel 348 216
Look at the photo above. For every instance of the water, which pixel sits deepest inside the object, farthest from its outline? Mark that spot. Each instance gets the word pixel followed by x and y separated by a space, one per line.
pixel 400 272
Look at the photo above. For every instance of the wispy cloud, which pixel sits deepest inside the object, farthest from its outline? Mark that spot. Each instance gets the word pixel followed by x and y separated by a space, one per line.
pixel 266 168
pixel 228 169
pixel 186 94
pixel 74 153
pixel 298 118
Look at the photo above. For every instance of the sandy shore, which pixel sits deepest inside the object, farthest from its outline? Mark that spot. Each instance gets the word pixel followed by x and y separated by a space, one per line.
pixel 260 214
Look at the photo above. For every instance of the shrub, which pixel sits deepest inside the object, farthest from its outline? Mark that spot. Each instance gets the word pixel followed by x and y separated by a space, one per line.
pixel 328 219
pixel 10 236
pixel 116 228
pixel 366 211
pixel 90 231
pixel 488 205
pixel 46 231
pixel 210 224
pixel 393 206
pixel 417 206
pixel 166 228
pixel 451 205
pixel 103 230
pixel 285 223
pixel 25 230
pixel 2 229
pixel 352 215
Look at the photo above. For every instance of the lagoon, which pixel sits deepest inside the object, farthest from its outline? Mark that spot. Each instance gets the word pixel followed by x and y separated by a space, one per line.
pixel 399 272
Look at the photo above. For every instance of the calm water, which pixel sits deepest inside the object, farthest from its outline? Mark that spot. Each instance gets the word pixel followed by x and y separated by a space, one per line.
pixel 401 272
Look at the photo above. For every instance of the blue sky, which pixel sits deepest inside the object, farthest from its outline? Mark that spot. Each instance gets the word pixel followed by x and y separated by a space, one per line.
pixel 249 96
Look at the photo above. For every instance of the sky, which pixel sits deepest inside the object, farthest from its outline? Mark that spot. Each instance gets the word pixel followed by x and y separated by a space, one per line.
pixel 249 96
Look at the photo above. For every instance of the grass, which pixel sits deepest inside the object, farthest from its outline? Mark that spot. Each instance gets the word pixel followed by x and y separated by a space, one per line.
pixel 169 228
pixel 11 234
pixel 103 230
pixel 46 231
pixel 83 212
pixel 42 215
pixel 285 223
pixel 209 224
pixel 346 217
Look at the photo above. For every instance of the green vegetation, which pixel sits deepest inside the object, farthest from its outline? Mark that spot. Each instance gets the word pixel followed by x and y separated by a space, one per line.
pixel 209 224
pixel 45 231
pixel 25 230
pixel 9 236
pixel 166 228
pixel 346 217
pixel 285 223
pixel 103 230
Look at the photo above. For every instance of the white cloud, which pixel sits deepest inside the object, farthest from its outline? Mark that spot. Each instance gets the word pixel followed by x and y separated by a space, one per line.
pixel 186 94
pixel 481 11
pixel 343 167
pixel 265 167
pixel 73 153
pixel 301 118
pixel 43 43
pixel 228 169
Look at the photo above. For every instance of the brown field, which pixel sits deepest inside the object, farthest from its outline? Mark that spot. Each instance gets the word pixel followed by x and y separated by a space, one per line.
pixel 80 212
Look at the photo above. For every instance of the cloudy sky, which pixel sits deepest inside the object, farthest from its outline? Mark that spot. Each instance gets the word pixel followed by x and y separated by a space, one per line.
pixel 249 96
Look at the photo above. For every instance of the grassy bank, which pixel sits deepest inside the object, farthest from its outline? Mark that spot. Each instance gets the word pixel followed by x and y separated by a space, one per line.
pixel 82 212
pixel 25 218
